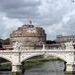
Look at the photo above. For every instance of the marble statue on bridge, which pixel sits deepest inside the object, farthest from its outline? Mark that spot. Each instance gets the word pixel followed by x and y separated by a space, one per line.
pixel 69 45
pixel 17 46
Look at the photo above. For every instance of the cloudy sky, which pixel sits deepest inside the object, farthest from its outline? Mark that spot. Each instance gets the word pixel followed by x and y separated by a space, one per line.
pixel 57 17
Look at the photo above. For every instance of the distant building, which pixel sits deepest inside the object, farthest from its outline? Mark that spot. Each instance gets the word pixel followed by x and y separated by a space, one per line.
pixel 62 39
pixel 29 35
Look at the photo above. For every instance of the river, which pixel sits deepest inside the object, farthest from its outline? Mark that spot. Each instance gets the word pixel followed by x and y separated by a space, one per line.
pixel 48 68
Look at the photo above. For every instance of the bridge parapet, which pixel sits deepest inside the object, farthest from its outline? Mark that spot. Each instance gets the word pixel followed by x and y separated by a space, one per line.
pixel 39 50
pixel 17 56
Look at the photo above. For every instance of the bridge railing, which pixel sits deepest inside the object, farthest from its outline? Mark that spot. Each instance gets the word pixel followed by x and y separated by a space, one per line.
pixel 36 51
pixel 24 50
pixel 42 49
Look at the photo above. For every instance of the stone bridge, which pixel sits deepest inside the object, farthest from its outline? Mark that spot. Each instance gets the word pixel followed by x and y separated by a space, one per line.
pixel 18 55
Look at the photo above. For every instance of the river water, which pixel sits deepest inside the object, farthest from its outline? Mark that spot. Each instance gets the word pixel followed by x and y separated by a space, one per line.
pixel 48 68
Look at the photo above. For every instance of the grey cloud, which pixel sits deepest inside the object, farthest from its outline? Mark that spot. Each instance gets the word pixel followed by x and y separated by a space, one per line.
pixel 20 8
pixel 9 4
pixel 56 16
pixel 23 12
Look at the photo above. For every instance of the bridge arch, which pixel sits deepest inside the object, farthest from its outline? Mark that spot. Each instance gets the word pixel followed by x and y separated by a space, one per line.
pixel 43 56
pixel 58 57
pixel 30 56
pixel 5 58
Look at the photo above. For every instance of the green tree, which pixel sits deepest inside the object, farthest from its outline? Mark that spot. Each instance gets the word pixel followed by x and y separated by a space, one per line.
pixel 1 41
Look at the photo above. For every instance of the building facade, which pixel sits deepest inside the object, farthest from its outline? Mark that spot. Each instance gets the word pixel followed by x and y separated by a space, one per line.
pixel 62 39
pixel 29 35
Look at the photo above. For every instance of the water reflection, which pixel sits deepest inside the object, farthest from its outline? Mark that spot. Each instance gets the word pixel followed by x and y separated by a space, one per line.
pixel 5 72
pixel 48 68
pixel 38 73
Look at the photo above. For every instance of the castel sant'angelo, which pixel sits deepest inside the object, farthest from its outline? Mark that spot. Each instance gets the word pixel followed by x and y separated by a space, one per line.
pixel 29 35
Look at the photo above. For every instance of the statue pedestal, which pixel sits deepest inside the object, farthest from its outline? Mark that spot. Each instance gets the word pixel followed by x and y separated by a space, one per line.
pixel 70 68
pixel 69 45
pixel 16 69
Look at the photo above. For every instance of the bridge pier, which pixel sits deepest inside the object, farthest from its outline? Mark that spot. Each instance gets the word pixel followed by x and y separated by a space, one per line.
pixel 70 68
pixel 16 69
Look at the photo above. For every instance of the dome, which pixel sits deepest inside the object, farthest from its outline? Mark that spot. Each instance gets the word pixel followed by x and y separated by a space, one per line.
pixel 29 35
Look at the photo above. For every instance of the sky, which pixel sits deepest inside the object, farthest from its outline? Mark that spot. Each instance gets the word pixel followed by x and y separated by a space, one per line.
pixel 57 17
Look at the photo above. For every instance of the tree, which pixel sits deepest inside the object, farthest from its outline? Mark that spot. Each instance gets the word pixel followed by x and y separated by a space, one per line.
pixel 1 42
pixel 6 41
pixel 50 42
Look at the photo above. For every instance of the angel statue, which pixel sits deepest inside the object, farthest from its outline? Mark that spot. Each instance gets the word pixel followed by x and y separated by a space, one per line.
pixel 17 46
pixel 69 45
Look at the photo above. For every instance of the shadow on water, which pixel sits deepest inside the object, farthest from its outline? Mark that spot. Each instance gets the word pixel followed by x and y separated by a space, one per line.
pixel 69 74
pixel 37 72
pixel 5 66
pixel 45 67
